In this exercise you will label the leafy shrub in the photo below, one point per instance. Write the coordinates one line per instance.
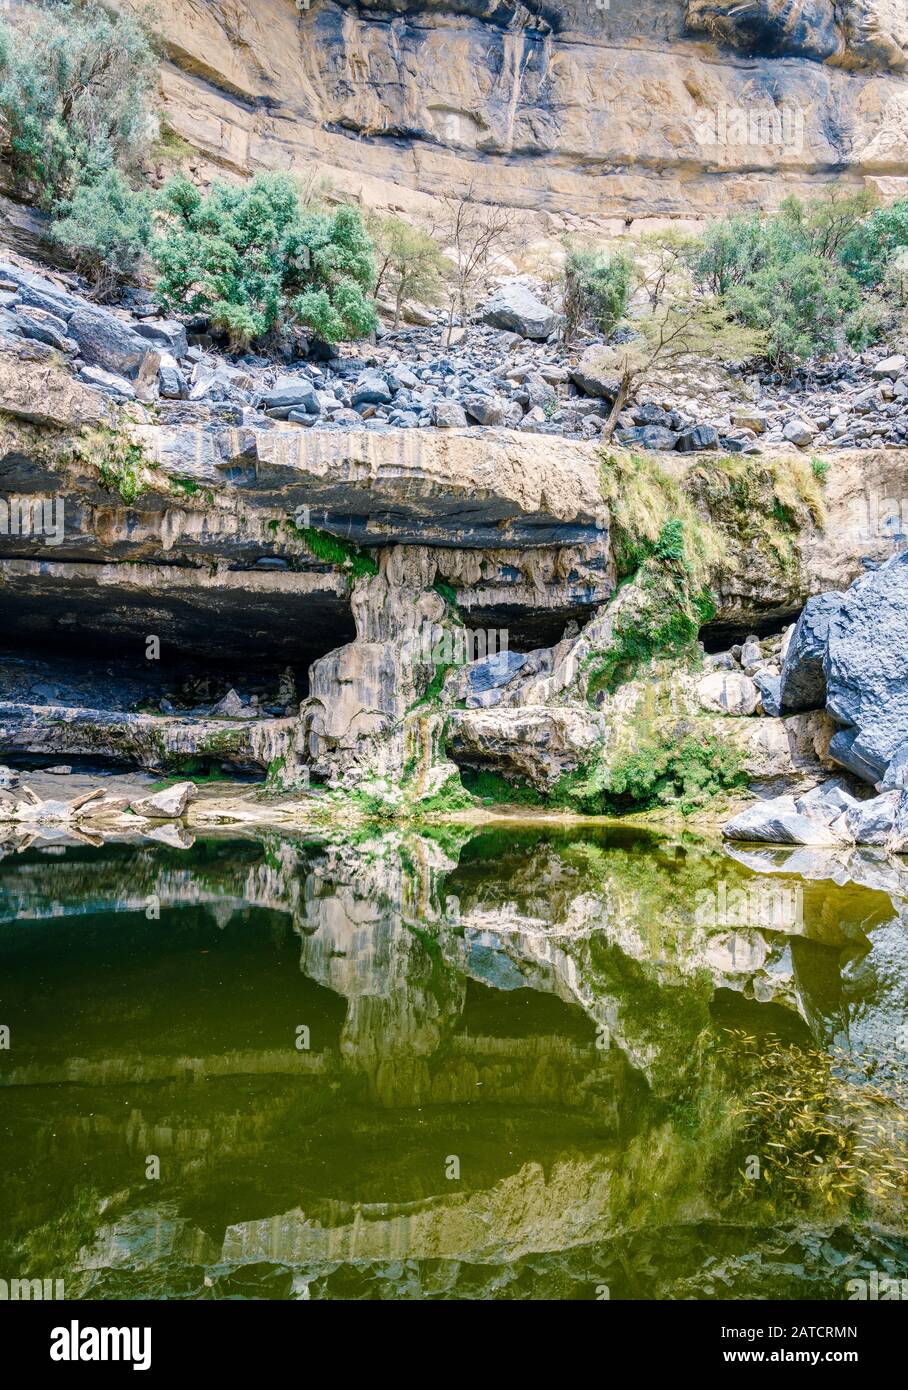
(486, 785)
(108, 227)
(872, 244)
(788, 276)
(800, 303)
(248, 257)
(332, 550)
(689, 771)
(74, 98)
(596, 290)
(411, 262)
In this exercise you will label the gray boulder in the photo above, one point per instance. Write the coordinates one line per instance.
(867, 662)
(172, 385)
(648, 437)
(779, 822)
(166, 334)
(827, 802)
(698, 439)
(872, 822)
(898, 837)
(770, 692)
(802, 684)
(800, 432)
(515, 307)
(168, 804)
(896, 774)
(486, 410)
(890, 368)
(371, 389)
(848, 750)
(486, 677)
(45, 327)
(108, 342)
(727, 692)
(448, 415)
(108, 382)
(291, 393)
(594, 376)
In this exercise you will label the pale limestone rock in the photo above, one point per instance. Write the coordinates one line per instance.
(728, 692)
(536, 743)
(168, 804)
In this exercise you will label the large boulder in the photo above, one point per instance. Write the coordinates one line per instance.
(168, 335)
(168, 804)
(597, 376)
(448, 415)
(486, 677)
(516, 308)
(802, 684)
(872, 822)
(486, 410)
(371, 389)
(866, 662)
(847, 749)
(536, 744)
(769, 687)
(728, 692)
(106, 341)
(898, 836)
(896, 774)
(291, 393)
(780, 822)
(648, 437)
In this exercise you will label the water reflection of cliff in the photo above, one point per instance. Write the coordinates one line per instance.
(543, 1008)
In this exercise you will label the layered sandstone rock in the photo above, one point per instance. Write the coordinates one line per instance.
(569, 111)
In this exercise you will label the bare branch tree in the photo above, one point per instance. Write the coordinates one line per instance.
(480, 237)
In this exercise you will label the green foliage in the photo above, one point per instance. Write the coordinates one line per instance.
(452, 796)
(789, 275)
(74, 98)
(108, 227)
(485, 785)
(802, 303)
(119, 460)
(659, 538)
(169, 146)
(447, 591)
(249, 257)
(648, 506)
(334, 551)
(410, 262)
(596, 290)
(871, 245)
(689, 772)
(820, 468)
(759, 508)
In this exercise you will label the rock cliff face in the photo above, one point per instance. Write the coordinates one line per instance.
(337, 575)
(574, 112)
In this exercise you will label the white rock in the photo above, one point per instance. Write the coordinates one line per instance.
(799, 432)
(779, 822)
(891, 367)
(165, 805)
(728, 692)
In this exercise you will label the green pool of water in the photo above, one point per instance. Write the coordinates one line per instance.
(519, 1063)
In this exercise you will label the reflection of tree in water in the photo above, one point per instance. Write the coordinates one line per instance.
(542, 1032)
